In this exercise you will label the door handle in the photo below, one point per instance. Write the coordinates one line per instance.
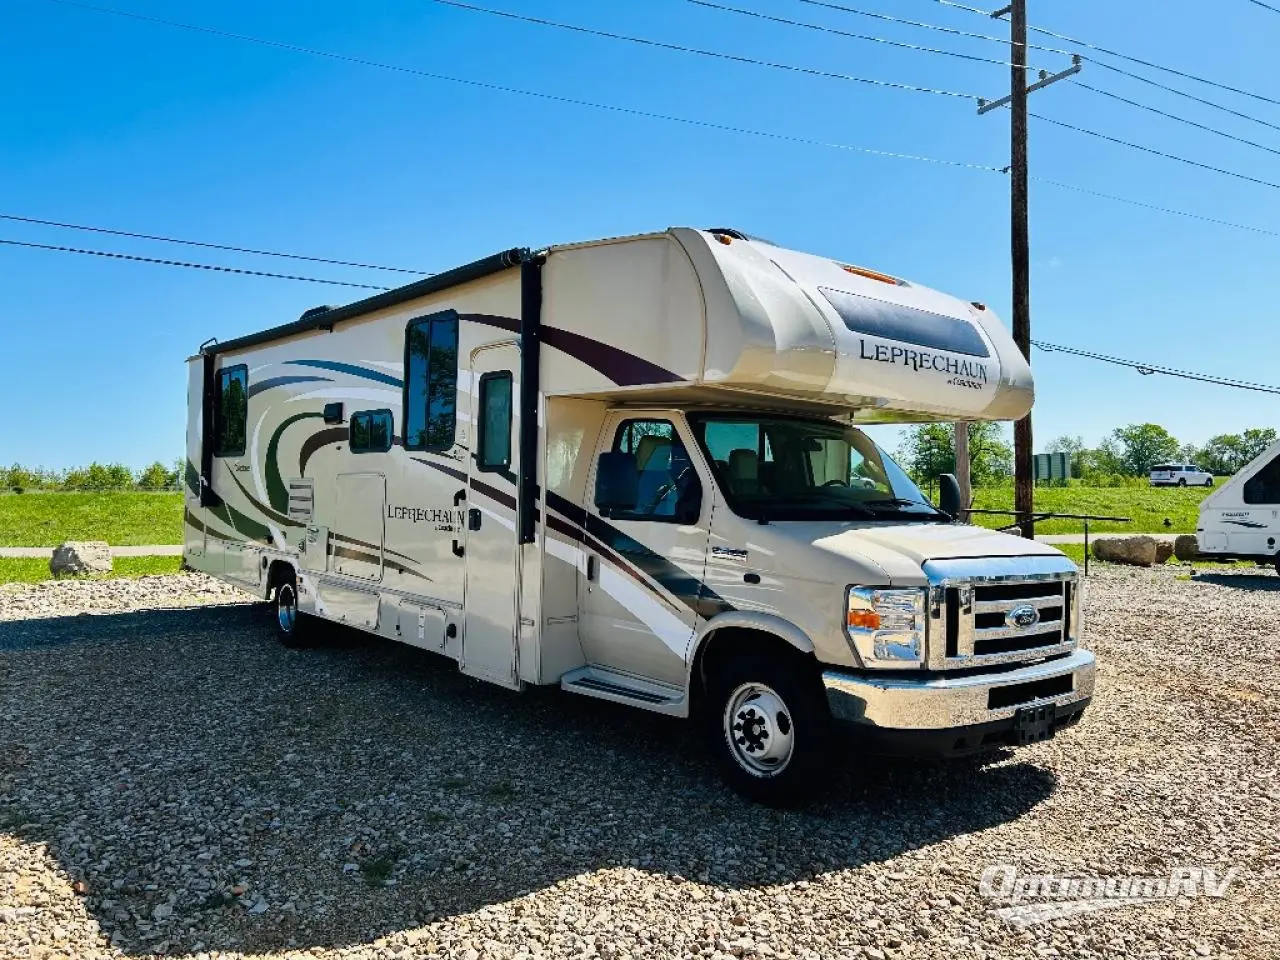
(591, 567)
(458, 549)
(473, 518)
(460, 496)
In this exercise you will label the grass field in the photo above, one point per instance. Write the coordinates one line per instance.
(1148, 506)
(122, 519)
(133, 519)
(34, 570)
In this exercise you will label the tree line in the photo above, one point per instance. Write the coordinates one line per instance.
(1123, 456)
(96, 476)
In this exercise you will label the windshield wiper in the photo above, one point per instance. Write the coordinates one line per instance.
(902, 502)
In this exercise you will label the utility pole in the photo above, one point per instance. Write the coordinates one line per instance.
(1020, 247)
(962, 464)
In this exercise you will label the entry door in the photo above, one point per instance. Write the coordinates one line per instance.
(491, 594)
(642, 582)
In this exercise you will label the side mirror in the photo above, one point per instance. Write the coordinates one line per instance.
(617, 482)
(949, 495)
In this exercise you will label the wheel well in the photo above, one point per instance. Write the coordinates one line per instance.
(280, 571)
(734, 641)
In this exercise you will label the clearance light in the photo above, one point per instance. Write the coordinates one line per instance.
(724, 238)
(871, 275)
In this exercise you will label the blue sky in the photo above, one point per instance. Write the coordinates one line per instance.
(139, 126)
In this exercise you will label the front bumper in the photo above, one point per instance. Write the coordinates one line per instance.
(944, 713)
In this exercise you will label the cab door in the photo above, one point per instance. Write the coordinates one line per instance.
(491, 592)
(641, 584)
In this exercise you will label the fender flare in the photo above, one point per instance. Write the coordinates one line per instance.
(768, 623)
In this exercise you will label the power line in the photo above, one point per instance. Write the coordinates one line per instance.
(649, 114)
(1174, 116)
(840, 33)
(203, 243)
(182, 263)
(1154, 152)
(1265, 6)
(698, 51)
(1124, 56)
(1147, 369)
(1101, 64)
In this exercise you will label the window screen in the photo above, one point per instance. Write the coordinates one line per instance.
(431, 382)
(371, 431)
(894, 321)
(232, 408)
(1264, 486)
(493, 442)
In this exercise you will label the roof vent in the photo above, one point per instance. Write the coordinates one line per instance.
(315, 311)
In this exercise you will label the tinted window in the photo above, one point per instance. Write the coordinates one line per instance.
(1264, 486)
(892, 321)
(431, 382)
(493, 440)
(232, 409)
(371, 431)
(667, 487)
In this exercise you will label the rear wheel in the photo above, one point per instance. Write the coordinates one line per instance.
(1182, 481)
(769, 728)
(293, 629)
(1209, 482)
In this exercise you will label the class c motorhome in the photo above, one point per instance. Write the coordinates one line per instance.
(632, 468)
(1241, 519)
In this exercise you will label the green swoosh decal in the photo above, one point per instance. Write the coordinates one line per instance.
(276, 492)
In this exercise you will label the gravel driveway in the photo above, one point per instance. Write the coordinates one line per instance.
(173, 782)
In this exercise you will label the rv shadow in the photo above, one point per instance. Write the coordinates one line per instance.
(183, 759)
(1262, 579)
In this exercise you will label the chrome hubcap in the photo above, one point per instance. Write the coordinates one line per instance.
(286, 608)
(758, 729)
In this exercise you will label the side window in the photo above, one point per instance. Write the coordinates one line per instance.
(371, 431)
(431, 382)
(232, 409)
(493, 432)
(667, 487)
(1264, 486)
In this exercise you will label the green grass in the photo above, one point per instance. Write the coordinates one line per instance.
(36, 569)
(122, 519)
(1148, 507)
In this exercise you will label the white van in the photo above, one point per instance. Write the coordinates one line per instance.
(1241, 520)
(630, 468)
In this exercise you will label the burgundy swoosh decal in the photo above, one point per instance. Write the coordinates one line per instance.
(624, 369)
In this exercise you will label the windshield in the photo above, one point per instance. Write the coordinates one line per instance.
(782, 468)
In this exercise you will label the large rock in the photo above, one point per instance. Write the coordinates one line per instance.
(1164, 550)
(1186, 547)
(80, 556)
(1137, 551)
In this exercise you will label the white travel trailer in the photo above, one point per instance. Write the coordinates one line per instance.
(1241, 520)
(631, 468)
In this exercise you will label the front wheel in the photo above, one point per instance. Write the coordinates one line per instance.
(1182, 481)
(770, 729)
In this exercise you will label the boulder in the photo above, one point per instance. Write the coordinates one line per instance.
(1186, 547)
(80, 556)
(1164, 550)
(1136, 551)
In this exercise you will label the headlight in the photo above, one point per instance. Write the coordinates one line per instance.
(886, 627)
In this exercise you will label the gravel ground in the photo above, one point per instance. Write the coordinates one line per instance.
(174, 783)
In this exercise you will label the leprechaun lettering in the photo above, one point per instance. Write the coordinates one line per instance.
(923, 360)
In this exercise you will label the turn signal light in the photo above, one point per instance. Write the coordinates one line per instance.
(862, 619)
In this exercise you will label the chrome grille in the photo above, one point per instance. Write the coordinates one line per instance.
(1000, 617)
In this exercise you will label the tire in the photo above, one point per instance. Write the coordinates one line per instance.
(1182, 481)
(293, 629)
(1209, 482)
(769, 728)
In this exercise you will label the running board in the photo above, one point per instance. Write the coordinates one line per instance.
(620, 688)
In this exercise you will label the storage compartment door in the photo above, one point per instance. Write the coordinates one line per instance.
(355, 533)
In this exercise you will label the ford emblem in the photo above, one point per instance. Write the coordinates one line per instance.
(1022, 616)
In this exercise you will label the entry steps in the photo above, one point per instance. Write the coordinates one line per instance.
(621, 688)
